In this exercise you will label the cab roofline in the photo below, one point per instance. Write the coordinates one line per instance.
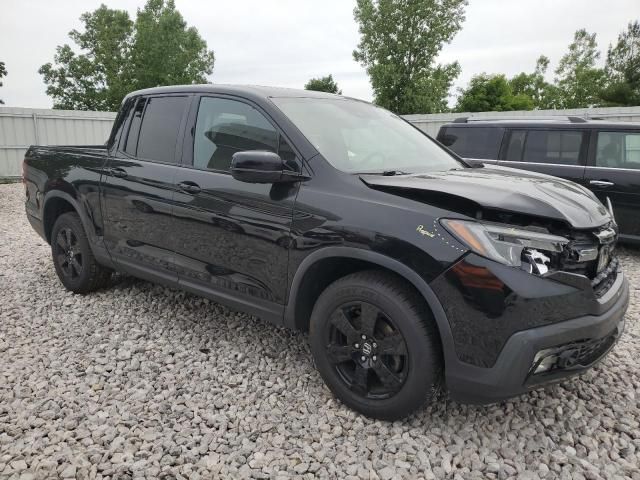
(263, 92)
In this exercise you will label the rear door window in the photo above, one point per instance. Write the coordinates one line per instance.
(515, 146)
(618, 150)
(560, 147)
(473, 142)
(160, 128)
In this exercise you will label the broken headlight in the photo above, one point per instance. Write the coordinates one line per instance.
(513, 246)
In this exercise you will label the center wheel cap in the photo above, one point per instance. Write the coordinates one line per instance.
(366, 351)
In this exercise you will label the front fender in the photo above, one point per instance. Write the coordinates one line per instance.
(384, 262)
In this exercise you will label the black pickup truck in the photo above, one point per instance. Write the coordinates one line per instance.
(407, 265)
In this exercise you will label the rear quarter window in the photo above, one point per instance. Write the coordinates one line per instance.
(473, 142)
(560, 147)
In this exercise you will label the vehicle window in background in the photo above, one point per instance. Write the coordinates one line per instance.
(225, 127)
(516, 142)
(618, 150)
(160, 128)
(134, 129)
(473, 142)
(553, 146)
(356, 136)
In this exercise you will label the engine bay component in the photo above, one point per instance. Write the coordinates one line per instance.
(537, 262)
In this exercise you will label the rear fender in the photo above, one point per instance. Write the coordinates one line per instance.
(95, 241)
(82, 213)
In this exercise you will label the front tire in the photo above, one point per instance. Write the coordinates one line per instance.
(375, 344)
(77, 268)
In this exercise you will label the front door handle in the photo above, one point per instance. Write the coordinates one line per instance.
(117, 172)
(189, 187)
(601, 183)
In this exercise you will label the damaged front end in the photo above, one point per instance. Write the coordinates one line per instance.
(584, 258)
(522, 273)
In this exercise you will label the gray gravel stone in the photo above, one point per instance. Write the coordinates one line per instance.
(68, 472)
(139, 380)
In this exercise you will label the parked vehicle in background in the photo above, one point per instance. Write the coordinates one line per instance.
(334, 216)
(602, 156)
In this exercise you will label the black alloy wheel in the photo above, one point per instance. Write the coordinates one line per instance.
(367, 350)
(75, 264)
(376, 344)
(67, 253)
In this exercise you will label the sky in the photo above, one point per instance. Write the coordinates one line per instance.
(286, 42)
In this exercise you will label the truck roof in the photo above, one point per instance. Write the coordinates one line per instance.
(560, 121)
(250, 91)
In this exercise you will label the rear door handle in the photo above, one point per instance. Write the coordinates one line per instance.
(189, 187)
(601, 183)
(117, 172)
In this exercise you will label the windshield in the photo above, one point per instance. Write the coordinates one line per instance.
(359, 137)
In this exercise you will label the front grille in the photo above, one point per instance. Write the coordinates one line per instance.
(603, 281)
(586, 252)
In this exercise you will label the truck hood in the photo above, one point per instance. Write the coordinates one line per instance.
(506, 189)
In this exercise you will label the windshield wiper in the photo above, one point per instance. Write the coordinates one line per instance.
(385, 173)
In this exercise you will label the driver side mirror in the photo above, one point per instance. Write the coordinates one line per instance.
(258, 166)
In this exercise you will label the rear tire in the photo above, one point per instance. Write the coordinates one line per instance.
(77, 268)
(376, 345)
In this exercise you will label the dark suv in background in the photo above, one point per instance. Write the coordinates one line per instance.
(602, 156)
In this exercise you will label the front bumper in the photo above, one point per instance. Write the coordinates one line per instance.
(577, 344)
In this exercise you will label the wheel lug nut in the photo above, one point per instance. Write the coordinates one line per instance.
(375, 345)
(363, 358)
(364, 337)
(357, 345)
(374, 358)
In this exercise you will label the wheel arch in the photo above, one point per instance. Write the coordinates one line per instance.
(56, 203)
(345, 260)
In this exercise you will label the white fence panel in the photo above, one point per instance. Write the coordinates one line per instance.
(22, 127)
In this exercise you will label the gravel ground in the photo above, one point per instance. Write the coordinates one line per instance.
(140, 380)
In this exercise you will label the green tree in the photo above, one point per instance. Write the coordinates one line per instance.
(578, 79)
(323, 84)
(94, 80)
(165, 51)
(543, 94)
(3, 73)
(623, 68)
(119, 55)
(399, 43)
(491, 93)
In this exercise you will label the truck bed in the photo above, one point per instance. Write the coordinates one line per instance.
(75, 169)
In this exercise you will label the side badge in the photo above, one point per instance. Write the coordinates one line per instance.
(422, 231)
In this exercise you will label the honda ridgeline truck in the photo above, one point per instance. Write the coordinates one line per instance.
(408, 266)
